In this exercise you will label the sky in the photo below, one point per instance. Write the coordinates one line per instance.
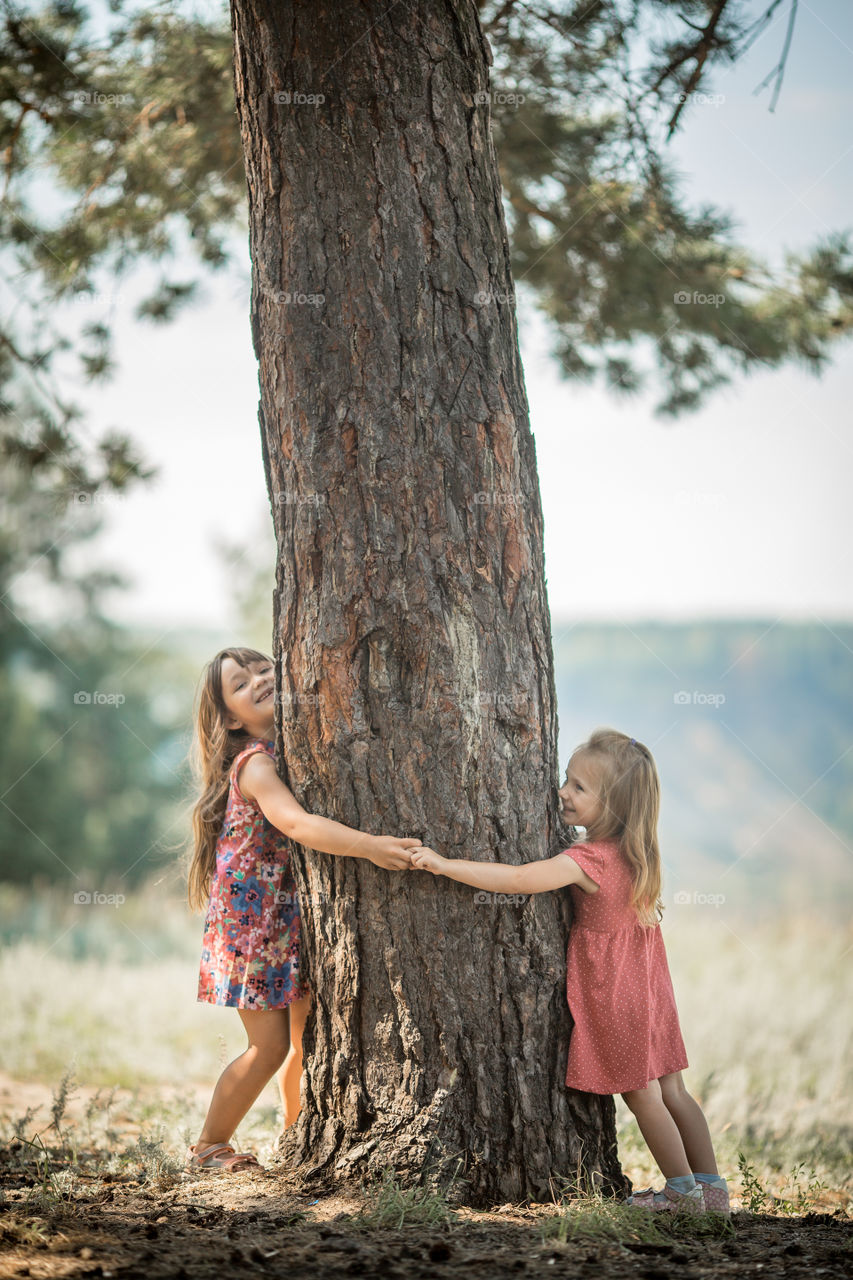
(741, 509)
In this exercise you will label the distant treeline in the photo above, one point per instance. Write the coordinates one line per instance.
(93, 756)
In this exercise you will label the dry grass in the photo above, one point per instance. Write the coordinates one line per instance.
(765, 1010)
(767, 1018)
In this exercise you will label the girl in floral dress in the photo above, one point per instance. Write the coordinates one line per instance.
(239, 871)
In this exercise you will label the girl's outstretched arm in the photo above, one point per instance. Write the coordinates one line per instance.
(498, 877)
(258, 781)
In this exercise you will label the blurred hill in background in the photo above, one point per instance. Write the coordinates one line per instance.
(751, 725)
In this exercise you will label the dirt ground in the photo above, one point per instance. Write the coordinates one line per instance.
(246, 1224)
(58, 1221)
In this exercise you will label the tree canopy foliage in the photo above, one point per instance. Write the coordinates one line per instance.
(121, 146)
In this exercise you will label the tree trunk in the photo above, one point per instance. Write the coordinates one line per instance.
(412, 639)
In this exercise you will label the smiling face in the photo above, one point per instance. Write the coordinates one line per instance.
(249, 696)
(579, 795)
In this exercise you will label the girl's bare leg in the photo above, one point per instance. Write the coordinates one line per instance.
(243, 1079)
(290, 1076)
(692, 1125)
(660, 1130)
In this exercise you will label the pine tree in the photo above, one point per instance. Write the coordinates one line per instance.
(120, 145)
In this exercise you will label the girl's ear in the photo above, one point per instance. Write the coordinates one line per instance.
(231, 721)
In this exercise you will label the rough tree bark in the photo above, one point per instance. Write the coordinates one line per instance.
(412, 637)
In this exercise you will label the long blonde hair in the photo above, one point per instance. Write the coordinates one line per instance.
(213, 752)
(629, 790)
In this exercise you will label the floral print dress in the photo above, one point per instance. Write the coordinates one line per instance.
(250, 950)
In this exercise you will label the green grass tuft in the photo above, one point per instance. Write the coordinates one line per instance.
(392, 1205)
(595, 1218)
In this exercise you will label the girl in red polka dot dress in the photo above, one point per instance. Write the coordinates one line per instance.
(626, 1037)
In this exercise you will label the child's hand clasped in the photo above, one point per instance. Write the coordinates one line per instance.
(393, 853)
(426, 859)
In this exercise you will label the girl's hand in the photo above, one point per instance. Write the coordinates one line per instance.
(392, 853)
(426, 859)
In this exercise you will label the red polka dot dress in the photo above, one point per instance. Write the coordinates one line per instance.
(620, 994)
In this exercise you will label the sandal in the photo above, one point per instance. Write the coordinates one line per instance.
(219, 1156)
(716, 1197)
(668, 1200)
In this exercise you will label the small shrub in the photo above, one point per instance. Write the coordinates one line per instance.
(757, 1199)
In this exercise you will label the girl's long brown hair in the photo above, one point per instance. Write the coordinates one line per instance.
(629, 790)
(213, 751)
